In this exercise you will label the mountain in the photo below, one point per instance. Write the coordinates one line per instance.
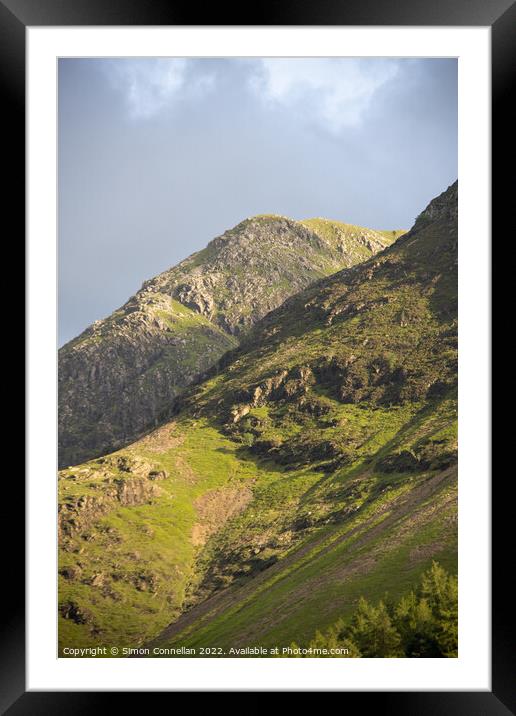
(120, 375)
(314, 464)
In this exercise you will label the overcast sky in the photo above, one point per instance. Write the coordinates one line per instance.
(159, 156)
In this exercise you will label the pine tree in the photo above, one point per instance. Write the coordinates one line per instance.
(373, 632)
(331, 640)
(415, 623)
(441, 591)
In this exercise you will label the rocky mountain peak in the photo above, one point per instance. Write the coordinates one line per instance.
(443, 208)
(120, 376)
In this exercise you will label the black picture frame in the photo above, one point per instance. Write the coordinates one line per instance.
(500, 15)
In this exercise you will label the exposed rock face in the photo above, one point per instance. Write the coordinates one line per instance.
(77, 614)
(120, 376)
(97, 490)
(252, 268)
(443, 208)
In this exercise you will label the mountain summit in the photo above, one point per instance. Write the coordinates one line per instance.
(120, 376)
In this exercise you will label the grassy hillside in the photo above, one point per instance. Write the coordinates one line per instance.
(315, 464)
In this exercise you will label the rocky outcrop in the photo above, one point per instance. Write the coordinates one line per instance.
(444, 208)
(250, 269)
(114, 481)
(119, 378)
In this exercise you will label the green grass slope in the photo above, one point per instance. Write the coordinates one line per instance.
(315, 464)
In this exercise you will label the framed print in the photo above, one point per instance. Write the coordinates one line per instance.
(258, 365)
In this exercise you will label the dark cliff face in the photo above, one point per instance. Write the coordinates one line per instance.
(119, 377)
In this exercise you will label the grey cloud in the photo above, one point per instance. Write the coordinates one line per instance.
(137, 193)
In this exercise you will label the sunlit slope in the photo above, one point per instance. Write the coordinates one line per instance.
(381, 551)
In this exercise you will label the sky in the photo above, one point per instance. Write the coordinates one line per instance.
(158, 156)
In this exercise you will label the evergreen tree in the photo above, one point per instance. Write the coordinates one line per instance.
(441, 591)
(373, 632)
(415, 622)
(332, 640)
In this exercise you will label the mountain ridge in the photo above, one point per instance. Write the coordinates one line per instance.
(118, 376)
